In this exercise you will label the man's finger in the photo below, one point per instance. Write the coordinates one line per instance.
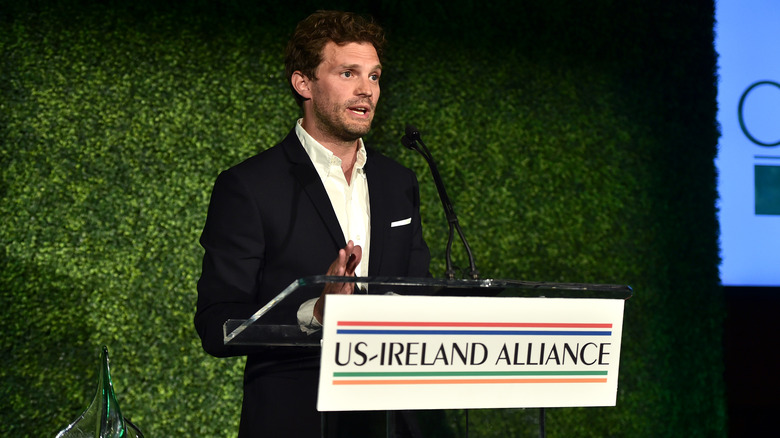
(354, 260)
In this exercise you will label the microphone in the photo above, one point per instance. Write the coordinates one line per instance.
(409, 140)
(413, 140)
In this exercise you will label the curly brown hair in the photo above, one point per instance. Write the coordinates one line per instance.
(304, 50)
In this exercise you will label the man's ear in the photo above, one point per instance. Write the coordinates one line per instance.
(301, 84)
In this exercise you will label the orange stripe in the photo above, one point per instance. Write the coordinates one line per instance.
(461, 381)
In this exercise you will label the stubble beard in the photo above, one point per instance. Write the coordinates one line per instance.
(332, 121)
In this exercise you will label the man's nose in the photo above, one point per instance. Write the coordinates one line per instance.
(364, 87)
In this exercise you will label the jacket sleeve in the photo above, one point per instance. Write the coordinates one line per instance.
(232, 263)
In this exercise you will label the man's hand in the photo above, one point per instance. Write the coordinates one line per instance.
(344, 266)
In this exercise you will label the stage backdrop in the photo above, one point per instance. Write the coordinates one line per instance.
(576, 138)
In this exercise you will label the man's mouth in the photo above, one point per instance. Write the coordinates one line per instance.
(359, 110)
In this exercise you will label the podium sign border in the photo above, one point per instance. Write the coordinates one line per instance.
(422, 352)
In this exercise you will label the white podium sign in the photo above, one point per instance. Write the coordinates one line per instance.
(394, 352)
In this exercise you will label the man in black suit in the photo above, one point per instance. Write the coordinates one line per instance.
(319, 202)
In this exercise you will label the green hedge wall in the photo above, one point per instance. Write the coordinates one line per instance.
(576, 139)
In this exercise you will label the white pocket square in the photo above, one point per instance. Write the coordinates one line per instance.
(401, 223)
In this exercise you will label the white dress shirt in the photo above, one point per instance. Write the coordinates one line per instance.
(349, 201)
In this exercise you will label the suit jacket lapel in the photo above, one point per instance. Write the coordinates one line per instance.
(304, 172)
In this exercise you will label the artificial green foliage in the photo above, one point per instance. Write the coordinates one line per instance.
(576, 140)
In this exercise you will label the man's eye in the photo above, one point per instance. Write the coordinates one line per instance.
(347, 74)
(374, 77)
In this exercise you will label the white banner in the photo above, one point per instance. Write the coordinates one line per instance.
(394, 352)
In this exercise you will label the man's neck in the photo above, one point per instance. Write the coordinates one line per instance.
(348, 163)
(345, 150)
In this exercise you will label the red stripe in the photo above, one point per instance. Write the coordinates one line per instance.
(473, 324)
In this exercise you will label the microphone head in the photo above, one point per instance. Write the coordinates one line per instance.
(408, 142)
(412, 133)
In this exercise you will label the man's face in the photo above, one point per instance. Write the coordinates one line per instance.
(345, 93)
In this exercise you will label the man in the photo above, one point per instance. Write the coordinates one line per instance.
(319, 202)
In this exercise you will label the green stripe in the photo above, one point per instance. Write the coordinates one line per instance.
(468, 373)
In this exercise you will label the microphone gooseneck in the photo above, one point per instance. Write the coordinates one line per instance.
(413, 140)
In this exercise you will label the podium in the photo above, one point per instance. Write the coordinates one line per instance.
(426, 344)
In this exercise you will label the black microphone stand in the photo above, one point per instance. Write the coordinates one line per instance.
(413, 141)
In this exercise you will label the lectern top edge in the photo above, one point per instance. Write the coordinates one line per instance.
(429, 286)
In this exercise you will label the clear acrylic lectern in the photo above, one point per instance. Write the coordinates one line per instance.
(255, 331)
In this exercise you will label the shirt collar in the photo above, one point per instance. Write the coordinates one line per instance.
(321, 157)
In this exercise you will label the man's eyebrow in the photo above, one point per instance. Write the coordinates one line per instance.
(357, 66)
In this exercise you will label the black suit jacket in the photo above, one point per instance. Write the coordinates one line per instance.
(270, 221)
